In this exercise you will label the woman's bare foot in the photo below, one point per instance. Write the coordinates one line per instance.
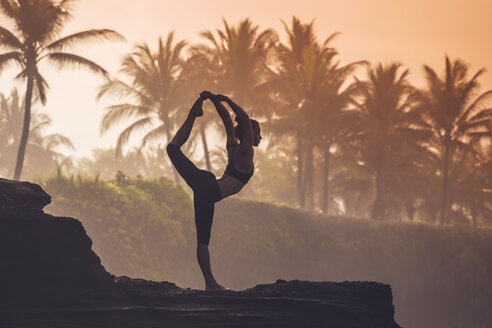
(197, 110)
(216, 287)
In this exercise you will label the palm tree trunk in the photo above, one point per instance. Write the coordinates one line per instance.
(378, 208)
(205, 148)
(310, 177)
(326, 182)
(444, 191)
(300, 172)
(25, 129)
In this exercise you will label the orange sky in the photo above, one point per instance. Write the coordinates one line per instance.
(414, 33)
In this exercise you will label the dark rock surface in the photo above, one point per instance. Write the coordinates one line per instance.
(50, 277)
(22, 195)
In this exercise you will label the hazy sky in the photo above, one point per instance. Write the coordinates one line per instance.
(412, 32)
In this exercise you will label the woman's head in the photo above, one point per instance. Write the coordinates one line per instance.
(239, 131)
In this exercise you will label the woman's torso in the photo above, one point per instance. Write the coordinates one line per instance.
(230, 184)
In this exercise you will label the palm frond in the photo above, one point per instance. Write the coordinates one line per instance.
(62, 59)
(127, 132)
(89, 36)
(475, 105)
(54, 140)
(153, 135)
(41, 86)
(7, 8)
(9, 40)
(120, 112)
(10, 57)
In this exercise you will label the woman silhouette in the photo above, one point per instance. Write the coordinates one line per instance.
(207, 190)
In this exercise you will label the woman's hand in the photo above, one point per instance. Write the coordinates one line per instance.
(206, 94)
(220, 97)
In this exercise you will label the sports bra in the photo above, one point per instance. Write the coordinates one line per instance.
(233, 172)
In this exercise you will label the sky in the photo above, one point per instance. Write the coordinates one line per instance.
(413, 33)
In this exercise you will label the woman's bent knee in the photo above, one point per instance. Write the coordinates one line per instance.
(172, 149)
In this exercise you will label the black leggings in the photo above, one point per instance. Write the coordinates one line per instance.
(205, 188)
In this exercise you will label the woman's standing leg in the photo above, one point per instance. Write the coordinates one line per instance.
(204, 213)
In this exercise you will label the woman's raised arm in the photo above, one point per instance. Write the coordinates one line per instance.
(224, 115)
(242, 118)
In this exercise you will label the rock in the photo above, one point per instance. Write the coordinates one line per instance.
(284, 303)
(42, 255)
(20, 194)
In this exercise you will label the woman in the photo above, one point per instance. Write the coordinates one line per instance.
(207, 190)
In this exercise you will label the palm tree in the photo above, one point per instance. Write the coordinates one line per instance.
(470, 187)
(303, 67)
(153, 96)
(242, 54)
(458, 119)
(36, 24)
(392, 134)
(329, 118)
(43, 155)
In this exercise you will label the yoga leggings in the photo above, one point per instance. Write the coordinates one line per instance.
(205, 188)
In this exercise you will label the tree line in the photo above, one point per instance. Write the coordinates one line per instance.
(356, 139)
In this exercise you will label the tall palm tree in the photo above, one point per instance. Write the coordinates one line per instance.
(303, 67)
(392, 133)
(35, 26)
(329, 118)
(470, 182)
(458, 118)
(43, 155)
(242, 53)
(153, 96)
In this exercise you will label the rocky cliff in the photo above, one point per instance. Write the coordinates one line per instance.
(50, 277)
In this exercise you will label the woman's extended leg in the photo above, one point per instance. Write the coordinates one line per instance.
(185, 130)
(186, 169)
